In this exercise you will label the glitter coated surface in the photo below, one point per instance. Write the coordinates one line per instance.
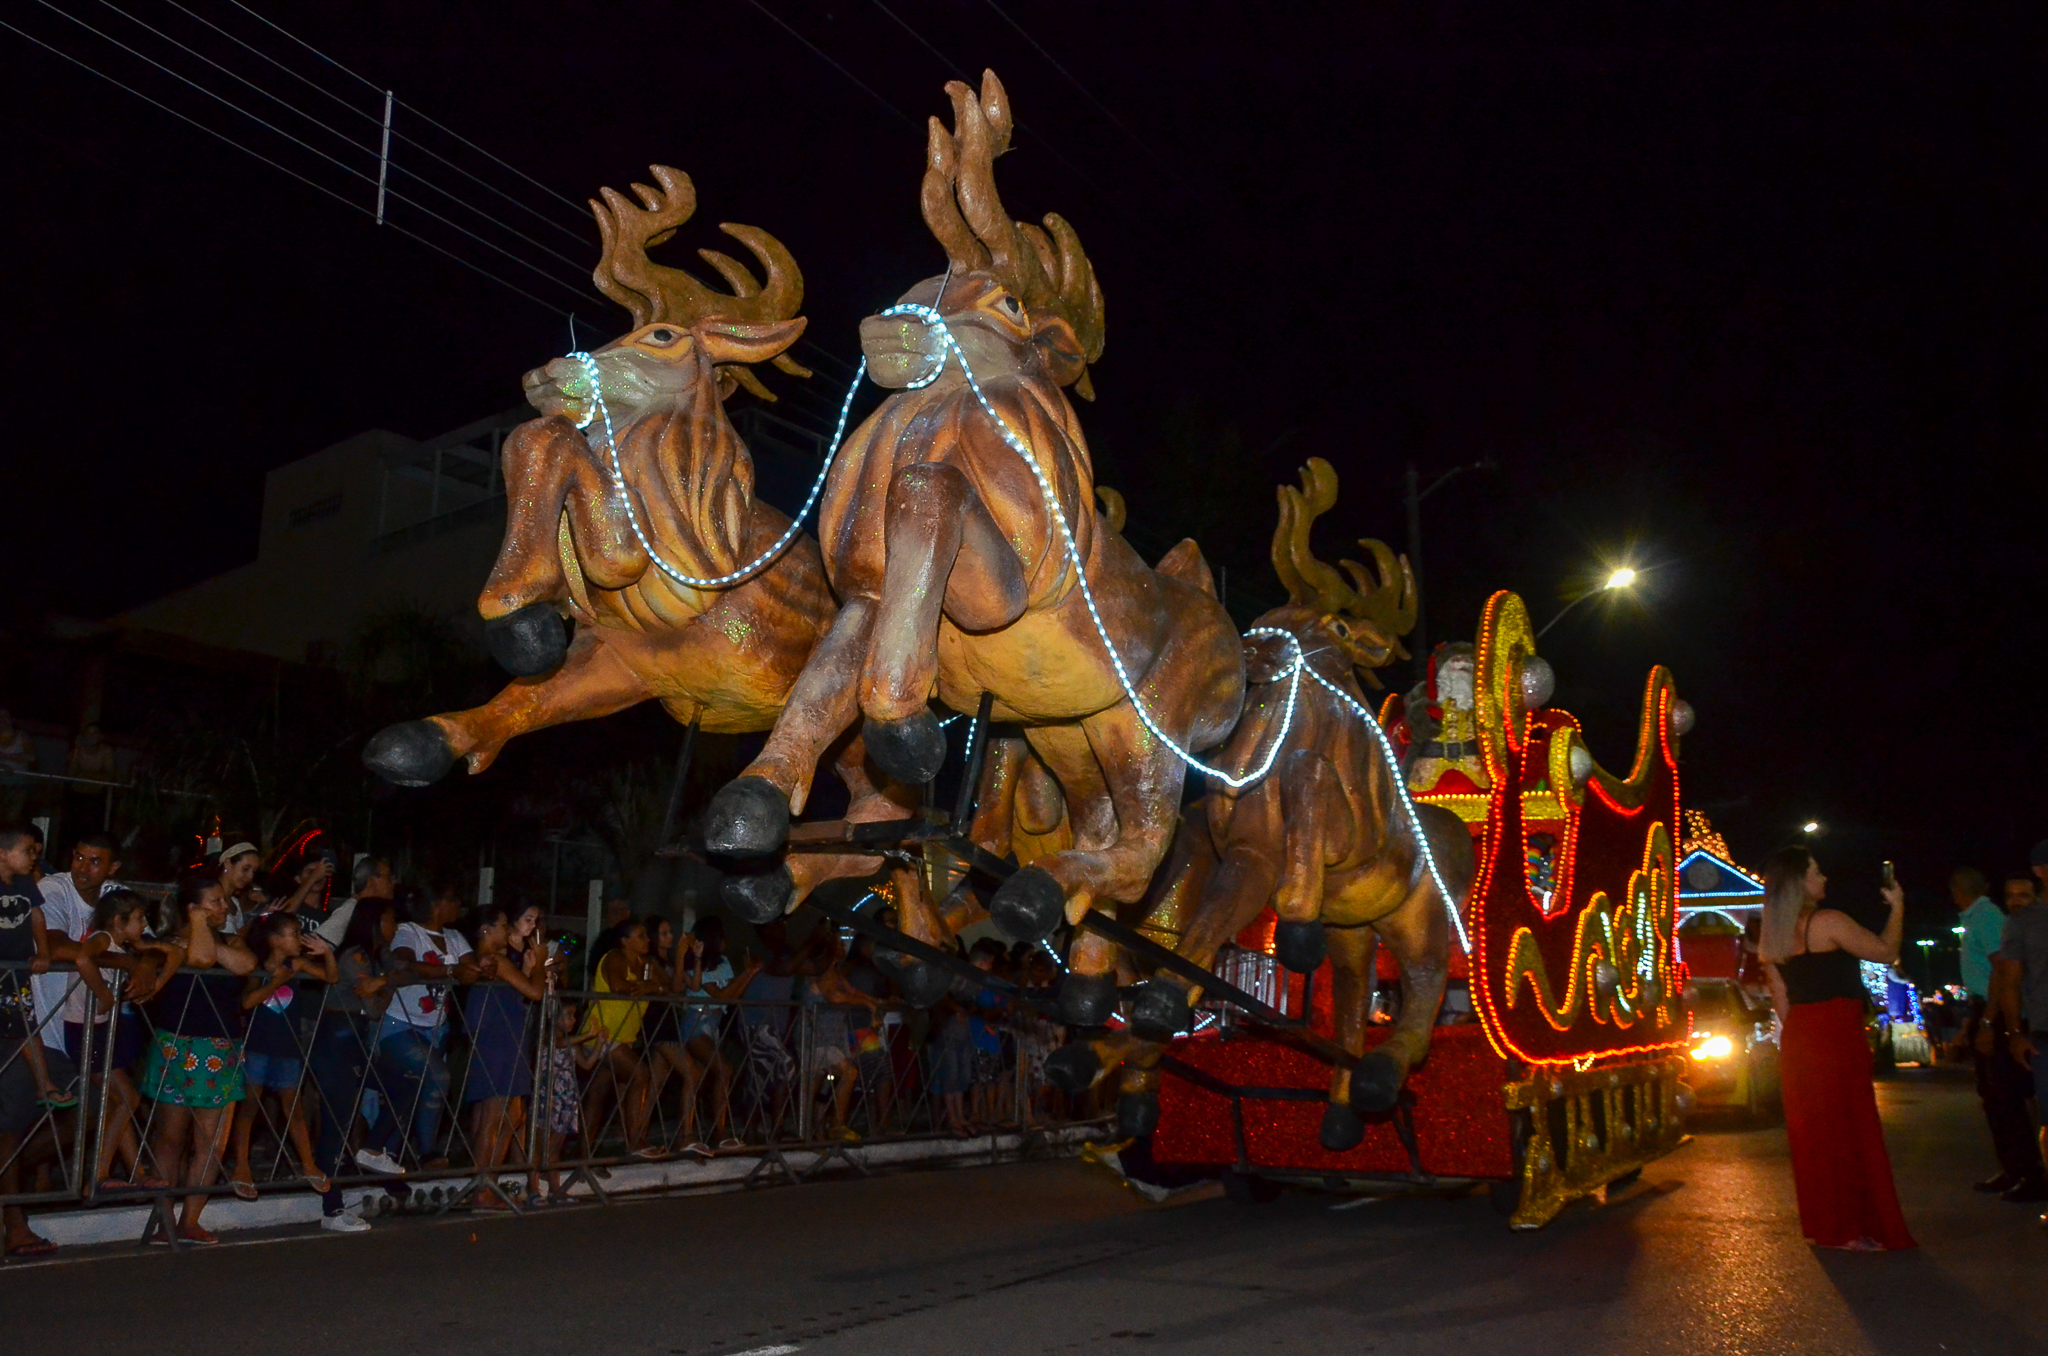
(1461, 1120)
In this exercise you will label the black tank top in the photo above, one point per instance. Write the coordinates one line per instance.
(1817, 976)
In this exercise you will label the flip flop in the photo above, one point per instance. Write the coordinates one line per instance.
(319, 1182)
(196, 1236)
(245, 1191)
(37, 1247)
(59, 1101)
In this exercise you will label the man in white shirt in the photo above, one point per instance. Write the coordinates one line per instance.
(68, 900)
(372, 880)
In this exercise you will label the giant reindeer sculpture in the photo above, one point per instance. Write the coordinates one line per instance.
(955, 579)
(644, 459)
(1322, 839)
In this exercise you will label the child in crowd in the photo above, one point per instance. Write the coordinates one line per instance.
(25, 941)
(272, 1062)
(573, 1051)
(500, 1079)
(987, 1104)
(116, 944)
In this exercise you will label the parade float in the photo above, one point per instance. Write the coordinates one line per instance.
(966, 560)
(1567, 1079)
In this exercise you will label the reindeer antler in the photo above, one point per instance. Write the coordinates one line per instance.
(1388, 601)
(1047, 269)
(652, 291)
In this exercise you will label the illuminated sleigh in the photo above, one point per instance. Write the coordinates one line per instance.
(1565, 1080)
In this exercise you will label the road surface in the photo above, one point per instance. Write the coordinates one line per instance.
(1704, 1256)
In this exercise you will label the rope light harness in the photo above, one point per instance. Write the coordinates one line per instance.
(611, 446)
(1297, 663)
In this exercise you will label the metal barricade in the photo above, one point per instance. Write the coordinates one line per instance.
(603, 1082)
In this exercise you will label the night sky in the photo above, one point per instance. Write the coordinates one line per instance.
(1751, 301)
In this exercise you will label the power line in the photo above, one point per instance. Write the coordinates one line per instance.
(1074, 81)
(422, 147)
(284, 169)
(344, 165)
(578, 207)
(278, 99)
(825, 57)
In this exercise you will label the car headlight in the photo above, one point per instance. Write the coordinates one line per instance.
(1714, 1047)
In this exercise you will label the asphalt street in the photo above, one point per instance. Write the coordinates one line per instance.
(1703, 1255)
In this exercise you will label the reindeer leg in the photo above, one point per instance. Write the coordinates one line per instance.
(749, 817)
(593, 681)
(1312, 804)
(1418, 933)
(945, 553)
(553, 466)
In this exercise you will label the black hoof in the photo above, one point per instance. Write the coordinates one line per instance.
(912, 750)
(1301, 947)
(1137, 1115)
(1376, 1083)
(1028, 906)
(529, 642)
(759, 896)
(1087, 1000)
(921, 983)
(748, 817)
(1159, 1011)
(411, 753)
(1073, 1068)
(1342, 1128)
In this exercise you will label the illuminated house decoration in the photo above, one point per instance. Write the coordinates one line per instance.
(1707, 876)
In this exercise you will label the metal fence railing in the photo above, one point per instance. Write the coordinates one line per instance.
(504, 1104)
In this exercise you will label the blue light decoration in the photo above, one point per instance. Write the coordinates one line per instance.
(1708, 875)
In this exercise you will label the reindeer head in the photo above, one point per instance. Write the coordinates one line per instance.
(687, 336)
(1366, 618)
(1016, 297)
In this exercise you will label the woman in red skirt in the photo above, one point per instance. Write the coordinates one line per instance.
(1839, 1165)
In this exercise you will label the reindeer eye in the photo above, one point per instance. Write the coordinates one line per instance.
(1010, 305)
(663, 336)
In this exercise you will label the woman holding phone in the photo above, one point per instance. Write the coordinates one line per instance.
(1811, 955)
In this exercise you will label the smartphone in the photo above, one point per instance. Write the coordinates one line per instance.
(1889, 877)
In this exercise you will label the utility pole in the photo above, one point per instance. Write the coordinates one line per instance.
(1419, 637)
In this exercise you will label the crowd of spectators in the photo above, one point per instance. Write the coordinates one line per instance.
(244, 1038)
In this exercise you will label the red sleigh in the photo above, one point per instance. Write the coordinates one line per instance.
(1562, 1078)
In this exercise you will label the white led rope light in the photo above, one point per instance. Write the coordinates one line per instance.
(611, 446)
(1298, 664)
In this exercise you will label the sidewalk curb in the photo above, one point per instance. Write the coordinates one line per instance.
(124, 1224)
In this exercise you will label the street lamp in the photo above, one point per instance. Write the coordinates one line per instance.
(1810, 827)
(1618, 580)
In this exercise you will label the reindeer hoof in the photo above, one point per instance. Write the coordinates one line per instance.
(911, 750)
(1137, 1115)
(410, 753)
(1343, 1128)
(1376, 1083)
(1028, 906)
(759, 896)
(1087, 1000)
(748, 817)
(1300, 947)
(1159, 1011)
(529, 642)
(1073, 1068)
(921, 983)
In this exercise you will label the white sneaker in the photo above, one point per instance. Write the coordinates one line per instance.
(344, 1223)
(372, 1160)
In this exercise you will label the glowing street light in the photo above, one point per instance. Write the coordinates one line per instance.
(1810, 827)
(1618, 580)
